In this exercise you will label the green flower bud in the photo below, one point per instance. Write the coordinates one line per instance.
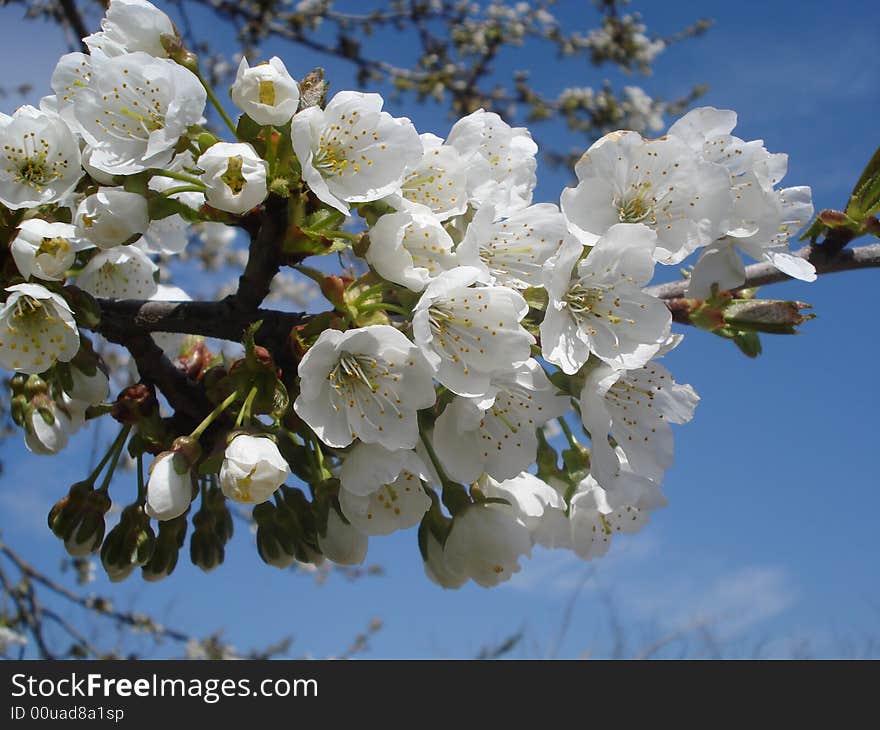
(170, 539)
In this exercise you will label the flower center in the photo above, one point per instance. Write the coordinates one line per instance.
(636, 208)
(53, 247)
(233, 176)
(267, 93)
(331, 158)
(31, 162)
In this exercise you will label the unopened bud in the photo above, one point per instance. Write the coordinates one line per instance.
(78, 519)
(170, 539)
(128, 545)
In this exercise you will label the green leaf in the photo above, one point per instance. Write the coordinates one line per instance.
(749, 343)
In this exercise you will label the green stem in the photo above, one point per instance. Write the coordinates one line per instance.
(212, 416)
(115, 445)
(383, 306)
(245, 411)
(369, 292)
(217, 105)
(142, 488)
(119, 444)
(183, 189)
(182, 176)
(432, 455)
(566, 429)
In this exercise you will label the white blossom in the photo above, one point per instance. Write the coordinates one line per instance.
(468, 334)
(39, 159)
(500, 160)
(168, 235)
(762, 218)
(597, 514)
(439, 180)
(252, 469)
(486, 542)
(37, 329)
(131, 25)
(496, 433)
(410, 248)
(661, 183)
(352, 151)
(636, 408)
(514, 250)
(535, 502)
(47, 430)
(169, 487)
(111, 217)
(122, 272)
(342, 543)
(365, 383)
(134, 109)
(234, 175)
(266, 92)
(597, 305)
(381, 490)
(45, 250)
(436, 566)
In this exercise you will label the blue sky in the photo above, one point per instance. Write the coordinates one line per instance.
(771, 531)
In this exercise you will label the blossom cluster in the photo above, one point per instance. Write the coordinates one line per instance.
(472, 324)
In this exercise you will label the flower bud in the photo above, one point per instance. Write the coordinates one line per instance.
(134, 404)
(128, 545)
(252, 469)
(275, 545)
(171, 486)
(47, 427)
(213, 528)
(170, 539)
(206, 550)
(234, 176)
(341, 542)
(78, 519)
(266, 93)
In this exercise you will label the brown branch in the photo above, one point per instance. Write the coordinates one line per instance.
(74, 21)
(224, 320)
(862, 257)
(184, 395)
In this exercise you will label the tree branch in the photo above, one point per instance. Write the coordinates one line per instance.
(861, 257)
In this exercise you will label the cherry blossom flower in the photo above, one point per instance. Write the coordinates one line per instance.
(252, 469)
(468, 334)
(393, 501)
(514, 250)
(122, 272)
(111, 217)
(37, 329)
(234, 175)
(129, 26)
(496, 433)
(486, 542)
(439, 180)
(500, 160)
(134, 109)
(636, 408)
(39, 158)
(267, 93)
(170, 487)
(365, 383)
(600, 307)
(353, 152)
(661, 183)
(45, 250)
(410, 248)
(342, 543)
